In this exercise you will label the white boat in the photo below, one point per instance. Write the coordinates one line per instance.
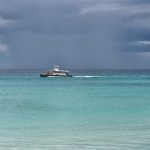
(56, 72)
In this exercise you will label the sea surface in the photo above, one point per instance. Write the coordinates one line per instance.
(93, 110)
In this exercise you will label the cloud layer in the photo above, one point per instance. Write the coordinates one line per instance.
(75, 34)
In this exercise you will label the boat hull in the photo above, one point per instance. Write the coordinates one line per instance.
(57, 75)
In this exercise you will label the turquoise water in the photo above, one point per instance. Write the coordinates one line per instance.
(93, 110)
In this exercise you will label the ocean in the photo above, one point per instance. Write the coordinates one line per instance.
(93, 110)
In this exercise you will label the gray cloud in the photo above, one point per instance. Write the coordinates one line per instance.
(3, 48)
(75, 34)
(5, 23)
(142, 43)
(118, 7)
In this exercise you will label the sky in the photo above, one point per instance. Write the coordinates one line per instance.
(90, 34)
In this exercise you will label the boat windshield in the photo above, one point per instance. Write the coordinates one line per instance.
(56, 68)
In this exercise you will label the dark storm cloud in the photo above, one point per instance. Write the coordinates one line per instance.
(75, 34)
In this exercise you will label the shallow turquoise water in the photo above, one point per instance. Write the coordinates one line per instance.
(93, 110)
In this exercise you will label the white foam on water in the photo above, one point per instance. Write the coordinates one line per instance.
(98, 76)
(86, 76)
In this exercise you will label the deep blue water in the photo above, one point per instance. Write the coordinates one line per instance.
(93, 110)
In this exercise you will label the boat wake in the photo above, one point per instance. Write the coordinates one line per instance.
(86, 76)
(99, 76)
